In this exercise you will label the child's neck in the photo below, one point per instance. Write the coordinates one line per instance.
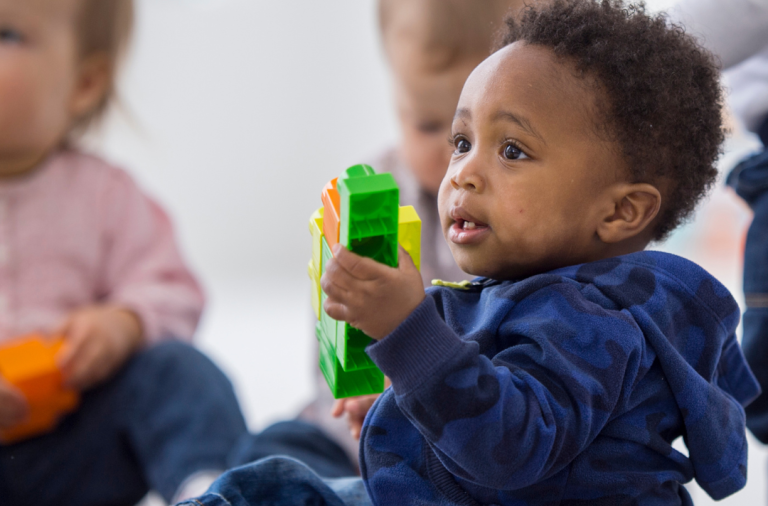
(13, 166)
(628, 246)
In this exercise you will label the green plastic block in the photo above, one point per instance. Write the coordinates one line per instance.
(382, 248)
(357, 171)
(350, 348)
(327, 323)
(369, 226)
(326, 255)
(343, 383)
(348, 342)
(369, 214)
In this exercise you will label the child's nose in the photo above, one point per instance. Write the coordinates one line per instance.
(469, 177)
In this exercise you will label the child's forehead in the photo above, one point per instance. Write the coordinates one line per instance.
(531, 78)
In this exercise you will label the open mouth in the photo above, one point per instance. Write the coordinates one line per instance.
(466, 229)
(470, 225)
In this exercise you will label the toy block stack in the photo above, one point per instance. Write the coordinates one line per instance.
(361, 211)
(29, 364)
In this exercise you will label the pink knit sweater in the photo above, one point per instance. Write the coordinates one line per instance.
(77, 232)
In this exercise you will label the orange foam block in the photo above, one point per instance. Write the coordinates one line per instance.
(331, 213)
(29, 364)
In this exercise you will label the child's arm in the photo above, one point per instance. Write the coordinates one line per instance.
(144, 291)
(356, 408)
(143, 270)
(503, 423)
(99, 340)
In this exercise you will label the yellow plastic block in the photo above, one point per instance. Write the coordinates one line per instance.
(316, 229)
(29, 364)
(315, 287)
(409, 233)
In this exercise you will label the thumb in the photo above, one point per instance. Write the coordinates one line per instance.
(64, 327)
(404, 260)
(74, 332)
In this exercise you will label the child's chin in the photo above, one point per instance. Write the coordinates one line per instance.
(473, 266)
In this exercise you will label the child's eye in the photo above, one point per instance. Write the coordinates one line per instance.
(10, 36)
(512, 152)
(461, 146)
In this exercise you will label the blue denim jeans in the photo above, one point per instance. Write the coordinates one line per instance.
(281, 481)
(299, 440)
(170, 412)
(750, 180)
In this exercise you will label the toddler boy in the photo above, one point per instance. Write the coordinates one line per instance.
(565, 372)
(431, 47)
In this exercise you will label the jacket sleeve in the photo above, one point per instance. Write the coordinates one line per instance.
(559, 370)
(143, 269)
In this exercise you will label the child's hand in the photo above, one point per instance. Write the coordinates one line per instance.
(13, 406)
(99, 340)
(371, 296)
(356, 408)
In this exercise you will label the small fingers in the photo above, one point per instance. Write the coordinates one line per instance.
(79, 373)
(404, 260)
(336, 310)
(338, 408)
(86, 364)
(355, 429)
(360, 406)
(355, 424)
(76, 332)
(361, 268)
(63, 328)
(336, 281)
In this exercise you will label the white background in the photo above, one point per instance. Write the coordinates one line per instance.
(234, 114)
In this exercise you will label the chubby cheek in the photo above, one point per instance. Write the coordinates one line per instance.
(543, 232)
(31, 116)
(16, 101)
(444, 200)
(529, 228)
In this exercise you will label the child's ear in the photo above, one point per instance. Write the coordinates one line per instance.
(635, 206)
(94, 78)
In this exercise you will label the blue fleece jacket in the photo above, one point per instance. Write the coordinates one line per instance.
(566, 388)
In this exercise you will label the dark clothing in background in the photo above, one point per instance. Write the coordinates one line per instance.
(750, 180)
(169, 413)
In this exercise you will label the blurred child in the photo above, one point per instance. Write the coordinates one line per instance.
(85, 254)
(431, 46)
(565, 373)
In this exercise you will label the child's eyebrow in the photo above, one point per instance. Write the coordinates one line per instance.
(462, 114)
(520, 121)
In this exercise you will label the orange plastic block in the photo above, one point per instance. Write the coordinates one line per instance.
(29, 364)
(332, 213)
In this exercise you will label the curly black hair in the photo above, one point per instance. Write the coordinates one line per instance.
(661, 98)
